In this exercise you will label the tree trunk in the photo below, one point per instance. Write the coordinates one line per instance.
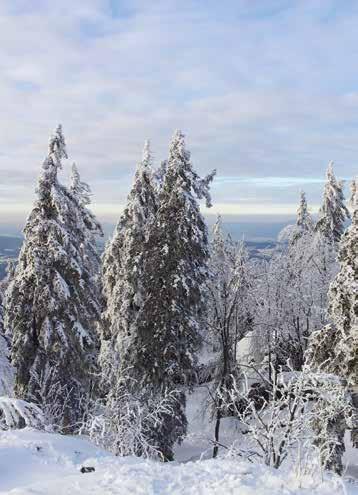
(217, 430)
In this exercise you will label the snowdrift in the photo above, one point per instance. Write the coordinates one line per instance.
(33, 462)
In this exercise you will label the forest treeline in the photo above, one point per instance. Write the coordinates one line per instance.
(110, 346)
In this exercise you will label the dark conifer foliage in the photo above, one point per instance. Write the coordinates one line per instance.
(175, 256)
(52, 305)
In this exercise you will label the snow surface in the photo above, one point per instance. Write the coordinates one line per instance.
(33, 462)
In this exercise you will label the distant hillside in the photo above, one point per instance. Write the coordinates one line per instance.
(252, 231)
(259, 238)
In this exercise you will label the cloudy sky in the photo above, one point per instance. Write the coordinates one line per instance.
(266, 92)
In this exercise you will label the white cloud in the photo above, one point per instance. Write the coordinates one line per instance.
(254, 88)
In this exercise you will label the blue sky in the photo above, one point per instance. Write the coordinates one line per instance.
(265, 90)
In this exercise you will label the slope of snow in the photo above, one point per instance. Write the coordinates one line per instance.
(33, 462)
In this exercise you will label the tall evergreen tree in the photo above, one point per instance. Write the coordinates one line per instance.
(175, 270)
(343, 298)
(327, 233)
(333, 212)
(334, 348)
(304, 225)
(90, 228)
(50, 307)
(304, 220)
(123, 263)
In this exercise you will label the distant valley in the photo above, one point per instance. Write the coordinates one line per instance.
(10, 246)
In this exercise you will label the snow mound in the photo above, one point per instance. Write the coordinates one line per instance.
(33, 462)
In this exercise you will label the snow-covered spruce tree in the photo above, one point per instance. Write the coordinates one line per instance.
(334, 348)
(122, 271)
(328, 230)
(91, 228)
(333, 212)
(343, 299)
(304, 222)
(299, 249)
(162, 354)
(50, 306)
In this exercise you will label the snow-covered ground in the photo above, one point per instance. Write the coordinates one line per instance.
(198, 443)
(33, 462)
(38, 463)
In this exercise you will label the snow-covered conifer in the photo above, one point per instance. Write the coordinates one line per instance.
(304, 220)
(304, 226)
(50, 309)
(122, 270)
(90, 228)
(175, 270)
(334, 348)
(333, 212)
(343, 298)
(327, 233)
